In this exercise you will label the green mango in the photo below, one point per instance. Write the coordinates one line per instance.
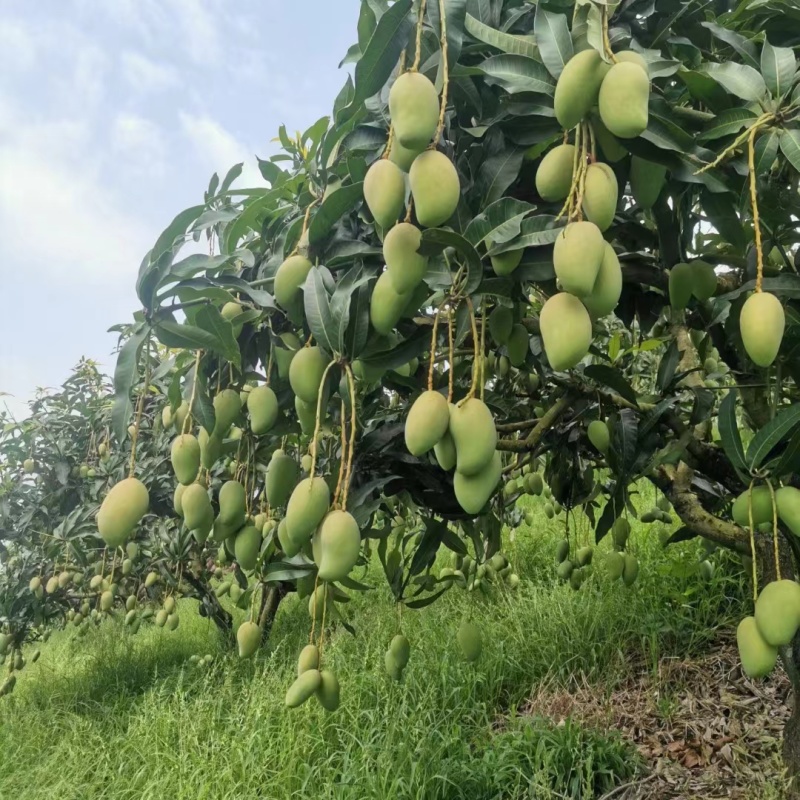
(474, 435)
(196, 506)
(633, 57)
(427, 421)
(290, 277)
(248, 637)
(566, 330)
(470, 641)
(787, 498)
(210, 448)
(185, 457)
(517, 345)
(473, 491)
(445, 452)
(704, 280)
(599, 435)
(230, 311)
(122, 510)
(607, 287)
(304, 686)
(623, 100)
(647, 180)
(289, 546)
(762, 507)
(336, 545)
(227, 406)
(394, 670)
(284, 353)
(414, 110)
(620, 531)
(306, 415)
(282, 475)
(681, 285)
(385, 192)
(403, 156)
(435, 188)
(308, 659)
(400, 648)
(534, 483)
(578, 86)
(306, 508)
(778, 612)
(761, 323)
(305, 373)
(506, 263)
(328, 691)
(600, 195)
(584, 556)
(262, 405)
(758, 658)
(577, 255)
(631, 570)
(247, 546)
(386, 305)
(232, 504)
(501, 321)
(554, 175)
(179, 417)
(614, 565)
(404, 265)
(610, 146)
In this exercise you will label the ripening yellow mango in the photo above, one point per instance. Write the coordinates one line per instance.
(761, 323)
(121, 511)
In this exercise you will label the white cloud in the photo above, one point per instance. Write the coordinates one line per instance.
(140, 143)
(199, 29)
(17, 46)
(145, 75)
(64, 221)
(218, 149)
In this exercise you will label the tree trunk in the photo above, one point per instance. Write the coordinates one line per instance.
(211, 606)
(270, 601)
(791, 733)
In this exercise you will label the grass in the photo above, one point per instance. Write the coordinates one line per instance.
(123, 717)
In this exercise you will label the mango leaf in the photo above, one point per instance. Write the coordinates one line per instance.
(729, 432)
(455, 14)
(518, 74)
(727, 123)
(202, 408)
(667, 366)
(498, 172)
(402, 353)
(347, 286)
(553, 38)
(428, 546)
(534, 232)
(192, 337)
(435, 240)
(508, 43)
(790, 146)
(612, 378)
(234, 283)
(744, 47)
(790, 458)
(333, 209)
(778, 67)
(380, 55)
(125, 374)
(210, 319)
(498, 222)
(425, 601)
(721, 210)
(772, 434)
(783, 285)
(318, 312)
(765, 151)
(622, 453)
(355, 339)
(738, 79)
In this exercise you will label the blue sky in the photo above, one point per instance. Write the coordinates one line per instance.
(113, 116)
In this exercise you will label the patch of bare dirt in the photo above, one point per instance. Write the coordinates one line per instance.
(703, 728)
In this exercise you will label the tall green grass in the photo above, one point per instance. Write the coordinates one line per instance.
(123, 717)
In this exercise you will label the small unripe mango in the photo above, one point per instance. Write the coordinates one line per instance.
(566, 330)
(386, 305)
(787, 498)
(248, 637)
(263, 407)
(196, 506)
(778, 612)
(501, 320)
(598, 434)
(623, 100)
(282, 475)
(761, 499)
(761, 323)
(470, 641)
(307, 506)
(435, 188)
(681, 285)
(304, 686)
(607, 287)
(758, 658)
(305, 373)
(474, 435)
(647, 179)
(554, 175)
(121, 510)
(246, 547)
(414, 110)
(577, 256)
(578, 86)
(404, 265)
(473, 491)
(227, 406)
(185, 457)
(506, 263)
(601, 192)
(336, 545)
(517, 345)
(385, 192)
(427, 421)
(308, 659)
(328, 691)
